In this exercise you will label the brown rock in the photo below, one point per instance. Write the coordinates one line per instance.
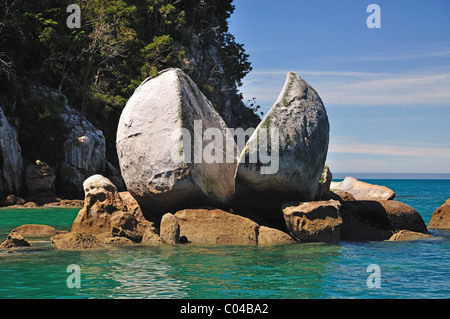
(363, 191)
(14, 240)
(378, 220)
(132, 205)
(76, 241)
(441, 217)
(13, 200)
(169, 229)
(36, 230)
(215, 226)
(313, 221)
(125, 224)
(406, 235)
(75, 203)
(272, 236)
(109, 239)
(101, 202)
(151, 236)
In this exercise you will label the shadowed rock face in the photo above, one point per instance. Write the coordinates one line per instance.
(301, 120)
(11, 162)
(157, 160)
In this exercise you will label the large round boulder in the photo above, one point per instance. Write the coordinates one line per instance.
(285, 156)
(441, 217)
(174, 148)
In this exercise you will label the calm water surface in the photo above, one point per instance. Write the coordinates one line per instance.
(417, 269)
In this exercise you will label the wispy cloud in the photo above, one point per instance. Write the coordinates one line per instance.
(345, 88)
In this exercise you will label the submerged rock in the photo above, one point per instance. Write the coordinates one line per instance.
(441, 217)
(161, 147)
(363, 191)
(407, 235)
(36, 230)
(297, 154)
(314, 221)
(76, 241)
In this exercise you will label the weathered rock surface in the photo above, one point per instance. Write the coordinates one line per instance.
(11, 162)
(169, 231)
(101, 201)
(363, 191)
(36, 230)
(14, 240)
(441, 217)
(301, 120)
(158, 162)
(272, 236)
(378, 220)
(407, 235)
(76, 241)
(313, 221)
(12, 200)
(39, 179)
(215, 226)
(125, 224)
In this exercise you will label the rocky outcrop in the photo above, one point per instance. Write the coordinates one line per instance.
(101, 202)
(314, 221)
(441, 217)
(11, 162)
(105, 214)
(363, 191)
(215, 226)
(14, 240)
(161, 148)
(407, 235)
(76, 241)
(272, 236)
(297, 157)
(378, 220)
(84, 154)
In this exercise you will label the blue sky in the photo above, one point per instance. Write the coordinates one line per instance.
(386, 91)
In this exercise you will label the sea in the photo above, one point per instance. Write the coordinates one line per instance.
(347, 270)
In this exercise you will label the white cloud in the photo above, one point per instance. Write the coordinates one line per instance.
(357, 89)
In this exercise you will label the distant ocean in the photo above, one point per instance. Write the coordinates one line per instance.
(418, 269)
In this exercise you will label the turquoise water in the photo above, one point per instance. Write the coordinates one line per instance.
(408, 269)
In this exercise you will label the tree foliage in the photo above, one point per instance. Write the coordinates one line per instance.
(119, 44)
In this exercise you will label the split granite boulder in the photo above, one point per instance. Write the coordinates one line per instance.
(441, 217)
(301, 121)
(160, 144)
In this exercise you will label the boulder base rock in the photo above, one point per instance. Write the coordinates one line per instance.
(363, 191)
(215, 226)
(441, 217)
(297, 154)
(161, 147)
(272, 236)
(76, 241)
(14, 240)
(314, 221)
(378, 220)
